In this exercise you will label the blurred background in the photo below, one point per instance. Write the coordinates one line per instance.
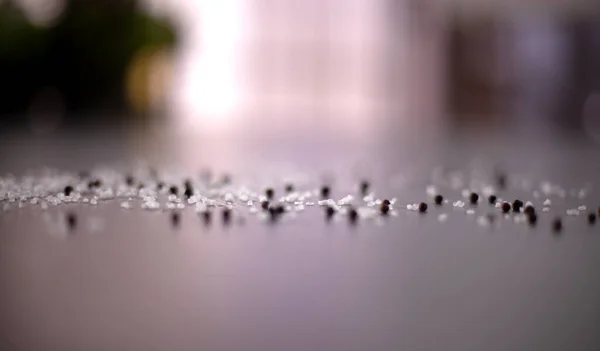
(361, 69)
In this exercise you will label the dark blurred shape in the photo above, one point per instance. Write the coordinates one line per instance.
(524, 65)
(83, 57)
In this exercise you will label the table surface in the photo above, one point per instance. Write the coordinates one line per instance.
(127, 279)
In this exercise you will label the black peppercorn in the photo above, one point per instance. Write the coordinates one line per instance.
(187, 184)
(352, 215)
(173, 190)
(386, 202)
(188, 193)
(364, 187)
(289, 188)
(529, 210)
(422, 207)
(269, 193)
(329, 212)
(517, 205)
(473, 198)
(175, 219)
(492, 199)
(384, 209)
(275, 212)
(506, 207)
(325, 192)
(71, 221)
(264, 205)
(280, 209)
(68, 190)
(129, 180)
(96, 183)
(591, 218)
(438, 199)
(557, 225)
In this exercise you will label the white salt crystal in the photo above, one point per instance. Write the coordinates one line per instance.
(346, 200)
(547, 202)
(458, 204)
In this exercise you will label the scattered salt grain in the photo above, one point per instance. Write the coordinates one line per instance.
(442, 217)
(459, 204)
(547, 202)
(573, 212)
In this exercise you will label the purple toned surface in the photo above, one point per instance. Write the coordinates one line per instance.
(412, 283)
